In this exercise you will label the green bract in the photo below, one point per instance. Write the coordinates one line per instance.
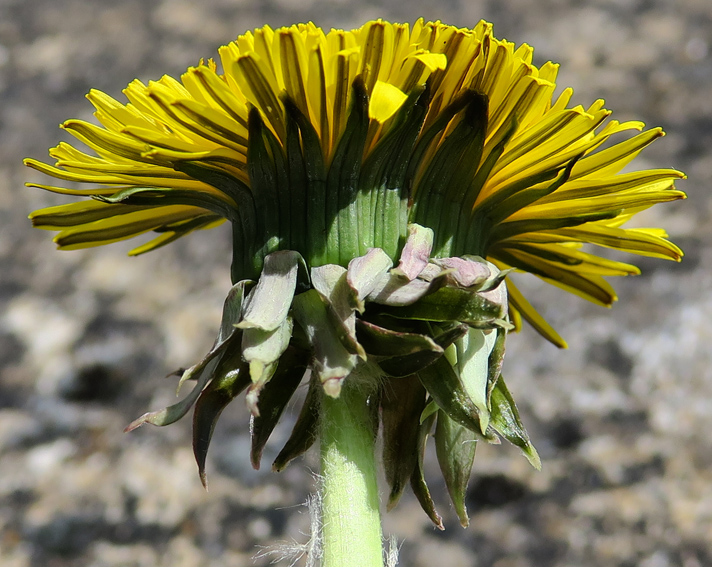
(431, 331)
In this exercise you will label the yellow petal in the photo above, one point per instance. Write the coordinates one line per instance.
(121, 227)
(531, 315)
(385, 101)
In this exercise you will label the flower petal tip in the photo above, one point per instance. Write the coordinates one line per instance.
(332, 387)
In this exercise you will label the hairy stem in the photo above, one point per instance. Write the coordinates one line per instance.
(350, 510)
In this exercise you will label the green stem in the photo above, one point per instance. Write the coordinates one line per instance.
(350, 504)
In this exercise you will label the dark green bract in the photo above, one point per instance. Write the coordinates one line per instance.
(429, 333)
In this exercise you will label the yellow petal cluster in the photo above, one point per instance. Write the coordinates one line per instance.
(204, 119)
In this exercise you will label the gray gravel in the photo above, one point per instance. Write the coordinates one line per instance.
(621, 419)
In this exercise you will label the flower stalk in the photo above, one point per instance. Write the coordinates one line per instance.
(351, 519)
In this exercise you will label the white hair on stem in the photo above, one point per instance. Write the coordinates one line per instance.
(391, 552)
(293, 551)
(311, 551)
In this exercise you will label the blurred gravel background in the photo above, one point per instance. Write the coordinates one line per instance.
(622, 419)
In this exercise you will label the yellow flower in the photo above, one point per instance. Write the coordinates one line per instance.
(331, 143)
(334, 156)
